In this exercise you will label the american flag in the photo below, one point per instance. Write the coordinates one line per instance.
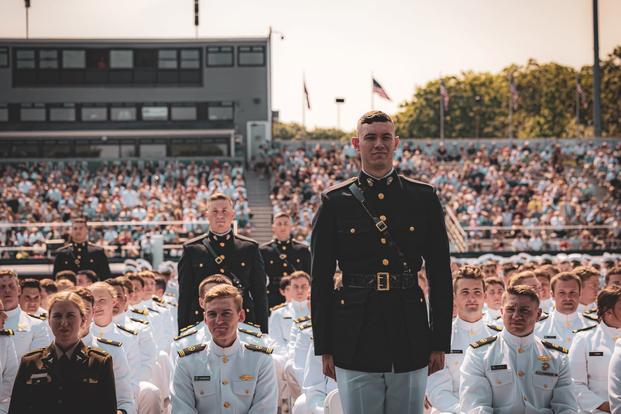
(306, 98)
(444, 95)
(377, 88)
(582, 95)
(514, 94)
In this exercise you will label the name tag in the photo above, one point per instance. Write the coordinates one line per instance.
(498, 367)
(456, 351)
(547, 374)
(39, 378)
(549, 337)
(202, 378)
(596, 354)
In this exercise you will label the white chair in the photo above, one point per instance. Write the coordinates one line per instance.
(332, 404)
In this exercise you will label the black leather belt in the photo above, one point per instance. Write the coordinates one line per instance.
(381, 281)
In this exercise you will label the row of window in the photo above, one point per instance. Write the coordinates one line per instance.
(117, 112)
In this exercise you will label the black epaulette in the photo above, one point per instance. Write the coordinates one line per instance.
(559, 348)
(249, 332)
(544, 316)
(591, 317)
(39, 317)
(188, 327)
(98, 351)
(8, 332)
(259, 348)
(191, 350)
(413, 181)
(153, 310)
(248, 239)
(484, 341)
(158, 300)
(129, 331)
(340, 185)
(139, 321)
(34, 352)
(143, 312)
(588, 328)
(110, 342)
(302, 319)
(279, 306)
(299, 242)
(66, 246)
(185, 334)
(256, 325)
(494, 327)
(306, 325)
(195, 239)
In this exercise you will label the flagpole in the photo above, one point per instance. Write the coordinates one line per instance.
(303, 100)
(577, 102)
(372, 93)
(510, 108)
(441, 118)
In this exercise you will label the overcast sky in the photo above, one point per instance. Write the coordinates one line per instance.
(339, 43)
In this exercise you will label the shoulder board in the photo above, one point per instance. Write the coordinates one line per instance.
(35, 352)
(495, 327)
(559, 348)
(294, 241)
(39, 317)
(340, 185)
(143, 312)
(544, 316)
(153, 310)
(256, 325)
(485, 341)
(421, 183)
(259, 348)
(8, 332)
(110, 342)
(306, 325)
(591, 317)
(248, 332)
(172, 295)
(588, 328)
(65, 247)
(195, 239)
(139, 321)
(248, 239)
(98, 351)
(188, 327)
(158, 299)
(591, 311)
(302, 319)
(279, 306)
(267, 244)
(185, 334)
(191, 350)
(130, 331)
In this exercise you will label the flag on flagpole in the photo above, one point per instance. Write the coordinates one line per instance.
(444, 95)
(581, 95)
(514, 94)
(377, 88)
(306, 97)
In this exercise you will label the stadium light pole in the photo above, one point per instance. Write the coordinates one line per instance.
(269, 76)
(597, 112)
(27, 6)
(339, 102)
(196, 19)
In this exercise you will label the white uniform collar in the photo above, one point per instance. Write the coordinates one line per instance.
(100, 331)
(379, 178)
(472, 327)
(13, 313)
(610, 331)
(493, 313)
(228, 351)
(120, 318)
(299, 308)
(88, 339)
(516, 342)
(565, 318)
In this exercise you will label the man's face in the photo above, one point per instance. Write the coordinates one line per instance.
(201, 298)
(88, 318)
(136, 295)
(300, 289)
(30, 299)
(282, 228)
(82, 280)
(79, 232)
(566, 296)
(590, 289)
(104, 305)
(534, 283)
(469, 298)
(9, 292)
(120, 304)
(519, 314)
(612, 317)
(222, 317)
(220, 214)
(149, 288)
(545, 287)
(376, 144)
(614, 280)
(490, 270)
(493, 296)
(65, 322)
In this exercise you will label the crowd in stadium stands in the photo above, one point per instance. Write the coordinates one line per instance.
(47, 192)
(489, 184)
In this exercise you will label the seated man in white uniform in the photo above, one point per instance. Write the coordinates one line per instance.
(469, 326)
(515, 371)
(224, 374)
(592, 350)
(560, 326)
(545, 274)
(8, 363)
(589, 276)
(494, 288)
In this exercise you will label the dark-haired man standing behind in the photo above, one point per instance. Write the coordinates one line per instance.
(373, 334)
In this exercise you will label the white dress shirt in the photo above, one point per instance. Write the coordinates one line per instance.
(281, 321)
(614, 380)
(8, 369)
(559, 328)
(30, 333)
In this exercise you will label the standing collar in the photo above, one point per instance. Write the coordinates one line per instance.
(367, 180)
(565, 318)
(515, 342)
(228, 351)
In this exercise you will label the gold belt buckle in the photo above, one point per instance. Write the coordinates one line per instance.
(382, 280)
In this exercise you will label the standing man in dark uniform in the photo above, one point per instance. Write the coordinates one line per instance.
(283, 256)
(222, 251)
(79, 254)
(373, 333)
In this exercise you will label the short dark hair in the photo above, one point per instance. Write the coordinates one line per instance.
(215, 278)
(612, 272)
(135, 277)
(566, 277)
(78, 218)
(127, 284)
(91, 275)
(470, 272)
(494, 281)
(585, 272)
(85, 294)
(30, 283)
(284, 283)
(521, 276)
(374, 116)
(160, 282)
(521, 290)
(68, 275)
(607, 298)
(48, 285)
(547, 271)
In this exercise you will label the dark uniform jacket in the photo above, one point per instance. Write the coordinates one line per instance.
(282, 258)
(84, 385)
(82, 256)
(240, 256)
(363, 328)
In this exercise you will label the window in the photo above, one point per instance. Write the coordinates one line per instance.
(154, 113)
(167, 59)
(97, 59)
(65, 113)
(121, 59)
(183, 113)
(145, 58)
(48, 59)
(4, 114)
(251, 55)
(25, 59)
(127, 113)
(4, 57)
(74, 59)
(190, 59)
(32, 114)
(220, 113)
(91, 114)
(220, 56)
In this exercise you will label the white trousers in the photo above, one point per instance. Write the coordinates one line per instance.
(382, 392)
